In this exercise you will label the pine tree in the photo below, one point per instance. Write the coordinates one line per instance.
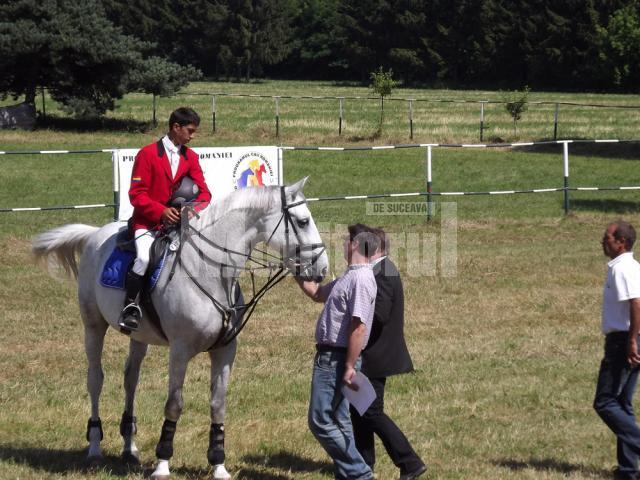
(69, 47)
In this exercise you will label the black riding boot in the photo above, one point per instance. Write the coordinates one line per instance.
(131, 314)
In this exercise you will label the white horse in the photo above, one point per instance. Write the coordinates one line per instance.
(194, 297)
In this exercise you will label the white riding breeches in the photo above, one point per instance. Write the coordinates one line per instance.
(144, 240)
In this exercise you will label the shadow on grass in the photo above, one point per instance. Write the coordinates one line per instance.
(62, 461)
(57, 461)
(550, 465)
(286, 461)
(251, 474)
(623, 151)
(66, 124)
(605, 206)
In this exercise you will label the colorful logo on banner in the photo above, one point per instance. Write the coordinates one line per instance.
(252, 170)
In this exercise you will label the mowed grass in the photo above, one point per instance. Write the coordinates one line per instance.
(503, 295)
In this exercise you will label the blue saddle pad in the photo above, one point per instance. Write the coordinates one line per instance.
(116, 268)
(117, 265)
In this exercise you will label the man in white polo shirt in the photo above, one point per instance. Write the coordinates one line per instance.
(621, 326)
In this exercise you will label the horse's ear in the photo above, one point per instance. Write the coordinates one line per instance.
(296, 187)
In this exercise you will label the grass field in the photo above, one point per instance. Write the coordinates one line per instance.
(506, 344)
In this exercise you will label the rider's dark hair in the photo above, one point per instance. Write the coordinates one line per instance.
(184, 116)
(368, 241)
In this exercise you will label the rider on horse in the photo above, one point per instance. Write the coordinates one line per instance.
(157, 174)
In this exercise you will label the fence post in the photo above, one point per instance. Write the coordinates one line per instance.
(555, 123)
(482, 102)
(281, 165)
(565, 149)
(410, 118)
(429, 198)
(116, 184)
(213, 113)
(277, 99)
(341, 99)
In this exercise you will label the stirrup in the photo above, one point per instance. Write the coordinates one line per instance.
(130, 317)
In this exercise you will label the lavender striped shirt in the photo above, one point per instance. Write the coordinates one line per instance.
(352, 295)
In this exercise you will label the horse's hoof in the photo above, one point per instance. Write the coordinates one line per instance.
(131, 458)
(160, 476)
(162, 471)
(94, 461)
(220, 473)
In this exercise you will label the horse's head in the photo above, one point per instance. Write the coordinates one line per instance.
(293, 232)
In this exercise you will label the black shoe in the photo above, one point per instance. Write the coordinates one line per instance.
(415, 474)
(130, 317)
(622, 475)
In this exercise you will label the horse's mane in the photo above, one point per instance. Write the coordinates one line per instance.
(246, 198)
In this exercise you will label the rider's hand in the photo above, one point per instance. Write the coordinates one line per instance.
(170, 216)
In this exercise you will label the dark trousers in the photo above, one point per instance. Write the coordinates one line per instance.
(376, 421)
(614, 394)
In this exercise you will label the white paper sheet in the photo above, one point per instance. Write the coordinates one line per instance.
(362, 398)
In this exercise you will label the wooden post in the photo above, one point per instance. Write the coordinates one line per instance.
(115, 168)
(277, 99)
(565, 148)
(555, 123)
(482, 119)
(429, 197)
(341, 99)
(213, 113)
(411, 118)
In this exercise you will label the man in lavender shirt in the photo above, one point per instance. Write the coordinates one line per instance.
(342, 331)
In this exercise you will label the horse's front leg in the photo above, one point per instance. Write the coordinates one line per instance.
(221, 363)
(179, 356)
(137, 352)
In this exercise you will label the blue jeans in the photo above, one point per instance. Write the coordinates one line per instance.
(614, 394)
(329, 419)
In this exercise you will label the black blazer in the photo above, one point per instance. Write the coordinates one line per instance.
(386, 352)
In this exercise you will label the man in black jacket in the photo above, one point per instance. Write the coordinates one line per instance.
(386, 354)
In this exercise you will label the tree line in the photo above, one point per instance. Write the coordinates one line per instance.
(546, 44)
(89, 53)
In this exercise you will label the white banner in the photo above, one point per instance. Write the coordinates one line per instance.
(225, 170)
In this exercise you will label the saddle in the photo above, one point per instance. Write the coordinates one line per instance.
(121, 260)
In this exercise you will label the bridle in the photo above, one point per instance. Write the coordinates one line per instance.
(277, 269)
(288, 222)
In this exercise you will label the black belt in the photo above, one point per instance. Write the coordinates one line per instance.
(617, 335)
(330, 348)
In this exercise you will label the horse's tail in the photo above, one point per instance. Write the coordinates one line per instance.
(62, 246)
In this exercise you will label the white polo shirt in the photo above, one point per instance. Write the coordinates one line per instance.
(623, 284)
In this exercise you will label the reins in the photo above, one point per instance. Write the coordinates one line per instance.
(229, 332)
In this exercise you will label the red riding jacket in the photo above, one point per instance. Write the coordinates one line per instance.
(152, 184)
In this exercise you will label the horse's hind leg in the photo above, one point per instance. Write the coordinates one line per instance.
(221, 364)
(137, 352)
(94, 331)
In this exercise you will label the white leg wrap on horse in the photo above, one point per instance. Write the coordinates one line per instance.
(162, 470)
(220, 473)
